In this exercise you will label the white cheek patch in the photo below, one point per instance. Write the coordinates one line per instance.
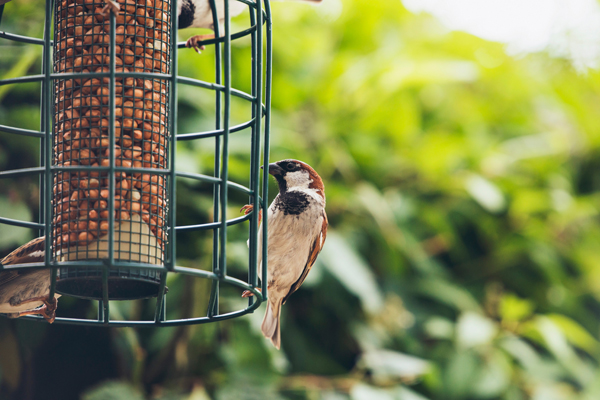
(298, 179)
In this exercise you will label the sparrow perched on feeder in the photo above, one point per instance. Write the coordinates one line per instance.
(297, 230)
(23, 291)
(198, 14)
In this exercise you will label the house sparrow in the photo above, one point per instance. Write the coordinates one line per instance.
(25, 291)
(198, 14)
(297, 230)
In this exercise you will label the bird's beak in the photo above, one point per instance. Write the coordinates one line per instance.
(275, 169)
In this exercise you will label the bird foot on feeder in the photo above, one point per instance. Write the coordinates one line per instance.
(247, 209)
(193, 41)
(48, 310)
(111, 5)
(247, 293)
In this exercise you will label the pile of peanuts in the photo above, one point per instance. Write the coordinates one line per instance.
(82, 115)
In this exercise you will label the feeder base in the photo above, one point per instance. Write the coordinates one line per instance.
(133, 242)
(144, 284)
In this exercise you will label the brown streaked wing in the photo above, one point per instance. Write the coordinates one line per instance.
(312, 257)
(22, 254)
(8, 276)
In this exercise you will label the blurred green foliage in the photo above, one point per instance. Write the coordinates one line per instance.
(463, 255)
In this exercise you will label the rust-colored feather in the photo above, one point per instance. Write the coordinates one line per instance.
(316, 181)
(315, 249)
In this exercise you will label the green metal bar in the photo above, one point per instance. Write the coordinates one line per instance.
(257, 65)
(250, 4)
(137, 324)
(186, 136)
(22, 79)
(213, 303)
(207, 134)
(218, 39)
(205, 178)
(101, 263)
(43, 144)
(1, 12)
(105, 304)
(13, 173)
(190, 321)
(21, 131)
(161, 299)
(23, 39)
(217, 181)
(24, 224)
(17, 267)
(160, 312)
(96, 264)
(258, 103)
(173, 134)
(200, 177)
(111, 172)
(48, 130)
(159, 171)
(147, 75)
(265, 189)
(225, 147)
(100, 311)
(214, 86)
(212, 225)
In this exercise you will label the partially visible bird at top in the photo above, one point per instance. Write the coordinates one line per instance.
(297, 228)
(25, 291)
(198, 14)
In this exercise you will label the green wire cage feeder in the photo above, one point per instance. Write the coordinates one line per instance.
(108, 136)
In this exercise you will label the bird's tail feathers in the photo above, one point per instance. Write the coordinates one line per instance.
(270, 325)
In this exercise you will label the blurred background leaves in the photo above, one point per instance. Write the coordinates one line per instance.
(463, 255)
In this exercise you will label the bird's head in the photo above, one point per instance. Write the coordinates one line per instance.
(297, 175)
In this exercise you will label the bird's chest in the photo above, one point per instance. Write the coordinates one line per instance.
(293, 226)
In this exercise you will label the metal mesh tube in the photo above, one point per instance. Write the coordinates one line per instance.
(82, 196)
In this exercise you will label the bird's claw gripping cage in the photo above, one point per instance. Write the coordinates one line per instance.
(107, 141)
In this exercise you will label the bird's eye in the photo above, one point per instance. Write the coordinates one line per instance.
(290, 166)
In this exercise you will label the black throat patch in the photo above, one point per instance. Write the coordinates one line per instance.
(281, 182)
(186, 17)
(292, 203)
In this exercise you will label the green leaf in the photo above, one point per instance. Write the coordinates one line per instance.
(113, 390)
(363, 391)
(494, 377)
(473, 329)
(449, 294)
(575, 333)
(349, 268)
(461, 370)
(386, 364)
(513, 308)
(485, 193)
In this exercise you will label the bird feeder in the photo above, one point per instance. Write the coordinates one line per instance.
(108, 137)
